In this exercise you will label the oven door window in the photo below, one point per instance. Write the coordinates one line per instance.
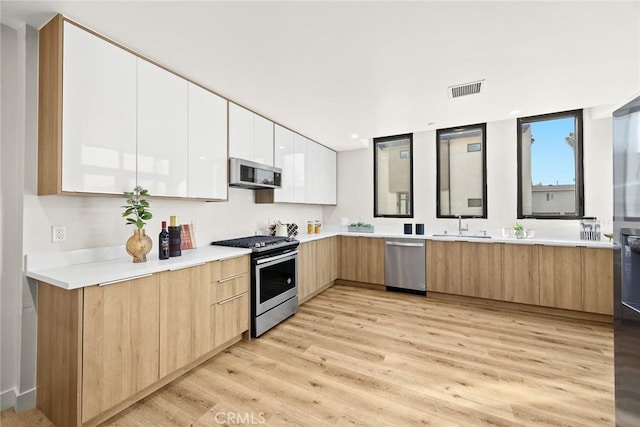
(276, 279)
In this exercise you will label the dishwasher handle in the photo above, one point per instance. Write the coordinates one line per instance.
(406, 245)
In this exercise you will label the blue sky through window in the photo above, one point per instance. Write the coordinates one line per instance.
(552, 159)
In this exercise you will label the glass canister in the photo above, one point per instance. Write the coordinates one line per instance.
(310, 227)
(316, 227)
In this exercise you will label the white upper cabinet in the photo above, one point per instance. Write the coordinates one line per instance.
(308, 169)
(99, 115)
(250, 135)
(327, 176)
(262, 140)
(207, 144)
(284, 159)
(162, 131)
(299, 168)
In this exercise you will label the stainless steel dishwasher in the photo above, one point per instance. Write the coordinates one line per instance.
(405, 265)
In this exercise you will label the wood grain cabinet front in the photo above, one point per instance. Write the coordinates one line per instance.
(362, 259)
(185, 322)
(229, 301)
(317, 267)
(443, 267)
(119, 342)
(481, 270)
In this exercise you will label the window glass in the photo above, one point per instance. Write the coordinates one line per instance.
(461, 181)
(550, 166)
(393, 176)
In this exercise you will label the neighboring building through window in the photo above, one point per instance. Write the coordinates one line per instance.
(550, 182)
(393, 176)
(462, 172)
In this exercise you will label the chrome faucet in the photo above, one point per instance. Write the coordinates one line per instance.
(460, 229)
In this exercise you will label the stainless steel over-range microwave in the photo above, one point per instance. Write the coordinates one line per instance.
(252, 175)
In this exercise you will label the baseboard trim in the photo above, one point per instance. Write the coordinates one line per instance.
(8, 399)
(20, 401)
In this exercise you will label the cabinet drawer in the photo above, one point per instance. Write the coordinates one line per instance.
(228, 288)
(231, 318)
(221, 270)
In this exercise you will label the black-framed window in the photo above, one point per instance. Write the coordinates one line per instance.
(550, 170)
(393, 176)
(461, 180)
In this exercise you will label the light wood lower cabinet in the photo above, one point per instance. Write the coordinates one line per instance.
(481, 269)
(443, 267)
(119, 342)
(571, 278)
(362, 259)
(102, 348)
(185, 323)
(230, 282)
(597, 280)
(520, 280)
(231, 318)
(317, 266)
(560, 277)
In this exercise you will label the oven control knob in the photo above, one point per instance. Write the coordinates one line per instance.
(257, 245)
(263, 244)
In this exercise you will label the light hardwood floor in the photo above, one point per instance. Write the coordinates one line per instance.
(354, 356)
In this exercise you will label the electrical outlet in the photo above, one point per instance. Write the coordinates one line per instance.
(58, 233)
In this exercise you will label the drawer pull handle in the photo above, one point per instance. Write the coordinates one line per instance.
(232, 298)
(113, 282)
(227, 279)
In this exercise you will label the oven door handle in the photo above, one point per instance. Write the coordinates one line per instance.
(277, 257)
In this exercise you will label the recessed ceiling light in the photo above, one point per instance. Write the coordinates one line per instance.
(354, 135)
(514, 112)
(431, 123)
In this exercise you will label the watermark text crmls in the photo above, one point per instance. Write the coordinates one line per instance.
(240, 418)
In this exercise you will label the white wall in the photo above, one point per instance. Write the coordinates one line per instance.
(355, 183)
(90, 221)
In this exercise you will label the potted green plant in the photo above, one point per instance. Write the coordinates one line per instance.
(361, 227)
(519, 231)
(137, 212)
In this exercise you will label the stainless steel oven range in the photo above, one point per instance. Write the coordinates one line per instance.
(274, 279)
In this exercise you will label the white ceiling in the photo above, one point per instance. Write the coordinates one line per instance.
(333, 69)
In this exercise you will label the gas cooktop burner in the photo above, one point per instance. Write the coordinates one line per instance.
(258, 243)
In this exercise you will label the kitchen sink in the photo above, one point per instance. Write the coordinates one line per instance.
(471, 236)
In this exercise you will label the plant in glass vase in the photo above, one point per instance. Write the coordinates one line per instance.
(137, 212)
(519, 231)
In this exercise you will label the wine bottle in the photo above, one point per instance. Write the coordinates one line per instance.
(174, 237)
(163, 242)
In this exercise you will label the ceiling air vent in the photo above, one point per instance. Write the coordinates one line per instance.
(466, 89)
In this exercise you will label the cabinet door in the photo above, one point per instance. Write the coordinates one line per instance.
(284, 159)
(262, 140)
(371, 267)
(299, 168)
(327, 176)
(481, 270)
(349, 258)
(520, 274)
(443, 267)
(560, 277)
(120, 342)
(312, 172)
(207, 144)
(99, 115)
(162, 131)
(328, 260)
(185, 317)
(307, 269)
(240, 132)
(231, 318)
(597, 280)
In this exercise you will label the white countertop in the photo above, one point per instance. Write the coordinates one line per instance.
(454, 237)
(87, 267)
(118, 269)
